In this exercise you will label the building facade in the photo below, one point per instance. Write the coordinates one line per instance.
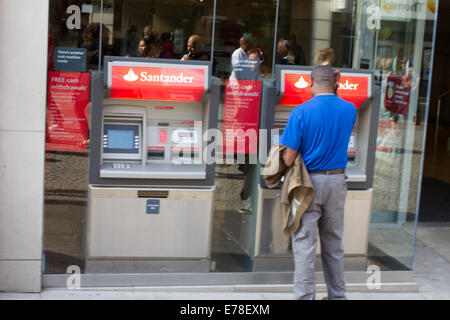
(44, 170)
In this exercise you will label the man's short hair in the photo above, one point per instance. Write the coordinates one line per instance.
(244, 41)
(323, 75)
(284, 43)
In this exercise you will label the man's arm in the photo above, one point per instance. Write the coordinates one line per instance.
(289, 156)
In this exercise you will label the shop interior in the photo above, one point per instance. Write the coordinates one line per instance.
(434, 205)
(308, 27)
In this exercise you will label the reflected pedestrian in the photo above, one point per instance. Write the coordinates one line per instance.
(297, 50)
(149, 47)
(91, 37)
(324, 57)
(195, 49)
(240, 60)
(285, 53)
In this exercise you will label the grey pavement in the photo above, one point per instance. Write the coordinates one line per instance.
(431, 273)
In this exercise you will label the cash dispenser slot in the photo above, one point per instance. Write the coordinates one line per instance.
(159, 194)
(155, 153)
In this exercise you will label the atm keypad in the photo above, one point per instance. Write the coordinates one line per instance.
(120, 165)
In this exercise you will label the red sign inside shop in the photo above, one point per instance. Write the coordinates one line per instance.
(398, 91)
(352, 87)
(67, 111)
(157, 83)
(241, 116)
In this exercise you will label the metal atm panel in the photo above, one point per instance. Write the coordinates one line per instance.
(271, 252)
(165, 142)
(153, 115)
(356, 86)
(150, 195)
(141, 228)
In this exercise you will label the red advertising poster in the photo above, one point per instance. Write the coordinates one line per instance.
(241, 116)
(397, 95)
(352, 88)
(157, 83)
(67, 111)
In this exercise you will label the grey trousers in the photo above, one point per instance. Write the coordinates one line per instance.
(324, 217)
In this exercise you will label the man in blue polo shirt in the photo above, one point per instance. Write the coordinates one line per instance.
(320, 130)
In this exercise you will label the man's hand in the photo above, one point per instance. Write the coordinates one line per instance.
(289, 156)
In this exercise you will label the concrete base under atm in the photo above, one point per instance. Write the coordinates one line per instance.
(142, 230)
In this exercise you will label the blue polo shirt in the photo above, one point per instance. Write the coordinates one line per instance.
(320, 128)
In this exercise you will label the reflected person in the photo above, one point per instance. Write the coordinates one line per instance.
(195, 49)
(240, 60)
(324, 57)
(285, 53)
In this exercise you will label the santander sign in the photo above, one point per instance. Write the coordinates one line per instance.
(157, 83)
(348, 86)
(144, 76)
(302, 83)
(352, 87)
(130, 76)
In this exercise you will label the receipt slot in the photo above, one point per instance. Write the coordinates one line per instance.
(292, 89)
(150, 192)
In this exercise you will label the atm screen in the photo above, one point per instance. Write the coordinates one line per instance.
(120, 139)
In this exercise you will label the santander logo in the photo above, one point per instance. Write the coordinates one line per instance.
(352, 87)
(181, 78)
(148, 81)
(348, 86)
(130, 76)
(301, 83)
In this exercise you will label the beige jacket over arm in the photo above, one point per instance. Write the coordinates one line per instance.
(296, 185)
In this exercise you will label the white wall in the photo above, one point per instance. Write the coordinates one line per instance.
(23, 74)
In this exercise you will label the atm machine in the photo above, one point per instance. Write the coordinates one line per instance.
(150, 205)
(292, 89)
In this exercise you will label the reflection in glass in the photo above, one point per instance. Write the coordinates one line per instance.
(169, 29)
(315, 32)
(73, 52)
(393, 42)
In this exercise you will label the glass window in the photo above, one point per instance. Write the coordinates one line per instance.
(243, 61)
(173, 29)
(395, 40)
(180, 29)
(73, 53)
(315, 32)
(244, 41)
(254, 23)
